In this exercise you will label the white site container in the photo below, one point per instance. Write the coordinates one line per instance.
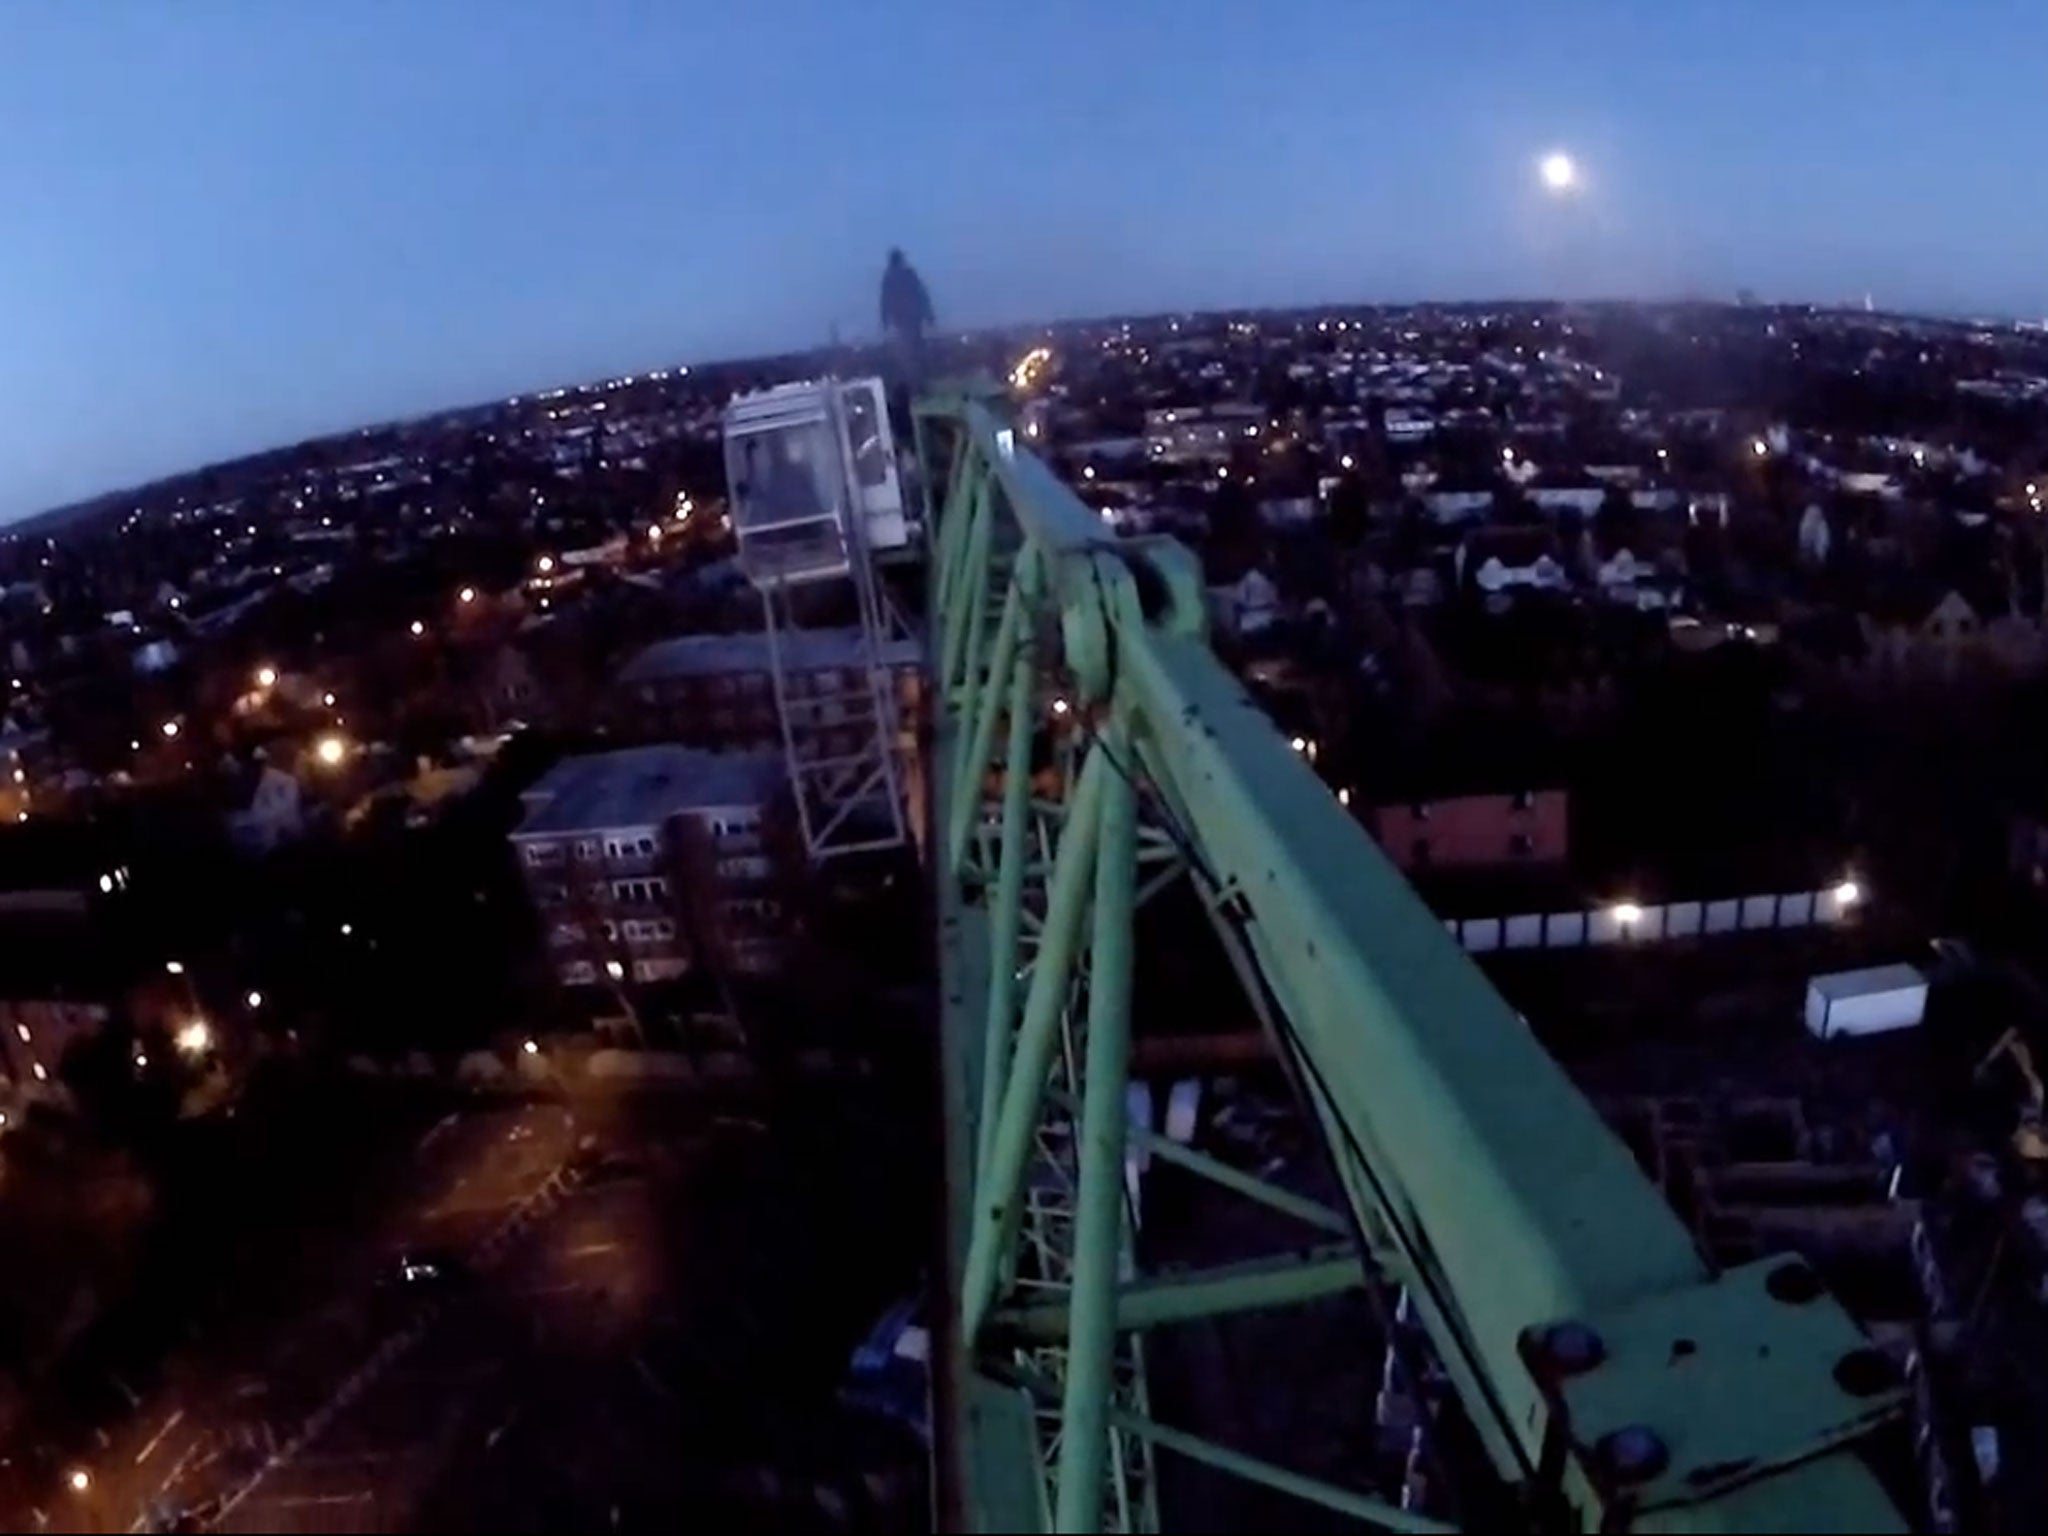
(1867, 1002)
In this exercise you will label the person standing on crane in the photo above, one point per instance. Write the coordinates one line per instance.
(906, 313)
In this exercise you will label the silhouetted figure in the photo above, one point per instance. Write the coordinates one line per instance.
(906, 312)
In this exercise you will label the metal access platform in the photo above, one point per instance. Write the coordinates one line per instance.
(813, 482)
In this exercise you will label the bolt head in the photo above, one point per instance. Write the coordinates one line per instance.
(1633, 1454)
(1570, 1348)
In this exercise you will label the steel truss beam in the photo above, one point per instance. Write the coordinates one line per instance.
(1084, 730)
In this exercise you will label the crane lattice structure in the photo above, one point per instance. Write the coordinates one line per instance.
(1090, 751)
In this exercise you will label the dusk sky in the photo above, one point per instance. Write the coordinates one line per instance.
(225, 226)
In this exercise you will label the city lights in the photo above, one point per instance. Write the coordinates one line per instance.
(170, 728)
(1030, 367)
(254, 999)
(1759, 447)
(1060, 706)
(544, 564)
(331, 751)
(174, 967)
(615, 970)
(1848, 893)
(530, 1046)
(654, 533)
(1626, 913)
(80, 1479)
(466, 595)
(195, 1037)
(327, 699)
(418, 627)
(266, 677)
(1346, 462)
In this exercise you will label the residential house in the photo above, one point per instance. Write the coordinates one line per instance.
(1199, 435)
(271, 812)
(1248, 605)
(1948, 638)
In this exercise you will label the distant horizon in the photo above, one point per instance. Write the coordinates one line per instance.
(239, 223)
(745, 359)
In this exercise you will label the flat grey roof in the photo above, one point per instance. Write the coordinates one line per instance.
(1864, 983)
(803, 650)
(643, 787)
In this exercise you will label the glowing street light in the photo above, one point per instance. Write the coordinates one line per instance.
(331, 750)
(254, 999)
(175, 967)
(1559, 171)
(615, 970)
(1626, 913)
(1848, 893)
(1060, 707)
(1759, 447)
(466, 595)
(544, 564)
(1346, 462)
(530, 1046)
(266, 677)
(327, 699)
(418, 628)
(80, 1479)
(654, 533)
(195, 1038)
(170, 728)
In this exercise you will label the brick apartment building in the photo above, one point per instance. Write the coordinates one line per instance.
(1526, 827)
(634, 858)
(718, 690)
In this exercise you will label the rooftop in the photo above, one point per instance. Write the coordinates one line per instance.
(644, 786)
(802, 650)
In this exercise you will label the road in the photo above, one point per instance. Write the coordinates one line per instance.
(631, 1359)
(270, 1355)
(655, 1304)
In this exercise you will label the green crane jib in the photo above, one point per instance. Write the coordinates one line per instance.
(1614, 1380)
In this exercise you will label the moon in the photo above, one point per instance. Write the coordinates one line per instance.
(1560, 173)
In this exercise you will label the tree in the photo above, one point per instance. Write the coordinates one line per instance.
(1350, 509)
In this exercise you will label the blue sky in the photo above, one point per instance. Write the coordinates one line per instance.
(227, 224)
